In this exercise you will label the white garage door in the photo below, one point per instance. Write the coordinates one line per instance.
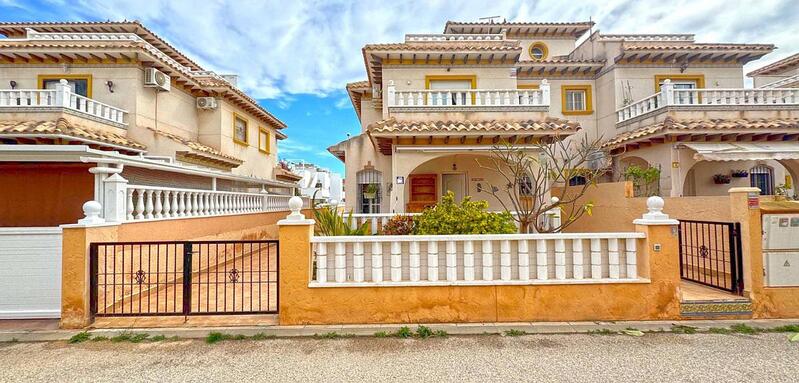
(30, 272)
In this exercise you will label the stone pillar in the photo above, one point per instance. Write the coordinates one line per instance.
(667, 89)
(545, 92)
(115, 190)
(75, 272)
(659, 257)
(62, 94)
(745, 209)
(295, 233)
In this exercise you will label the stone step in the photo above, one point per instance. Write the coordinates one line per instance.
(738, 308)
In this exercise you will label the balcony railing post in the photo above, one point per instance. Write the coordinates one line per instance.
(668, 92)
(391, 94)
(544, 92)
(115, 188)
(62, 94)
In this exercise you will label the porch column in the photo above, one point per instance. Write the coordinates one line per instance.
(75, 260)
(295, 233)
(101, 172)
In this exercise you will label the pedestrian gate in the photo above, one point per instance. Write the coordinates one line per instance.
(710, 254)
(184, 278)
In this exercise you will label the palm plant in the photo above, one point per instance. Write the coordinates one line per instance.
(329, 222)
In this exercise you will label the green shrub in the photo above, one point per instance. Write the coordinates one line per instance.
(399, 225)
(514, 332)
(682, 329)
(404, 332)
(381, 334)
(330, 222)
(742, 328)
(79, 337)
(468, 217)
(424, 332)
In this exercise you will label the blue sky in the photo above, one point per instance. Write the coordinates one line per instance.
(295, 57)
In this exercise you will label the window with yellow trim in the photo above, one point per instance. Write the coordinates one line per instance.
(80, 84)
(576, 99)
(538, 51)
(263, 140)
(240, 129)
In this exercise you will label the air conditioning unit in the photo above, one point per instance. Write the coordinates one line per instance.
(154, 78)
(206, 103)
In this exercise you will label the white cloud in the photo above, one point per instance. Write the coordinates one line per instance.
(343, 103)
(281, 48)
(290, 147)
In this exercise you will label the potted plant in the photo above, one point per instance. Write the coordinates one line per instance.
(781, 193)
(370, 191)
(740, 173)
(721, 179)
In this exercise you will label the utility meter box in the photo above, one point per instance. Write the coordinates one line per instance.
(781, 249)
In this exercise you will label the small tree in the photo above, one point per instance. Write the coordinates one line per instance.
(529, 174)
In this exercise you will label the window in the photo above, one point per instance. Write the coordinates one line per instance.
(538, 51)
(525, 186)
(576, 99)
(79, 84)
(762, 177)
(239, 129)
(577, 180)
(680, 81)
(369, 193)
(263, 140)
(453, 84)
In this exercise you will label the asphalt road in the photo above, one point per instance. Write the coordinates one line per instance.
(572, 358)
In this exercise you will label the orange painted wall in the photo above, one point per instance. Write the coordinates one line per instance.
(43, 194)
(300, 304)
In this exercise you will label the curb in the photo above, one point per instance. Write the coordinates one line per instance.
(529, 328)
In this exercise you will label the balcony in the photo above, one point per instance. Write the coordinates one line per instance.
(60, 99)
(468, 100)
(710, 103)
(433, 37)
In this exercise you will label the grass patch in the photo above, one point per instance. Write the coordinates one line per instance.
(158, 338)
(79, 337)
(262, 336)
(404, 332)
(742, 328)
(602, 331)
(130, 337)
(719, 330)
(514, 332)
(682, 329)
(440, 333)
(381, 334)
(424, 332)
(788, 328)
(99, 338)
(329, 335)
(215, 337)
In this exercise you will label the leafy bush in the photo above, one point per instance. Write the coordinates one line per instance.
(645, 180)
(399, 225)
(330, 222)
(468, 217)
(79, 337)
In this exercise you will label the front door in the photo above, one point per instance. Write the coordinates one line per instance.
(456, 183)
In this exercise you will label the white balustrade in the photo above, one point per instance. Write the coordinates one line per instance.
(151, 202)
(62, 97)
(437, 37)
(469, 98)
(670, 96)
(498, 258)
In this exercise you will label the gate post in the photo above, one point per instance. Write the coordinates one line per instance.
(745, 209)
(658, 258)
(294, 259)
(76, 278)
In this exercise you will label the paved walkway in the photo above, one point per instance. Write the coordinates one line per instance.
(475, 358)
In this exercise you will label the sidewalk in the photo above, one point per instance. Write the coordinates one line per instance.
(40, 335)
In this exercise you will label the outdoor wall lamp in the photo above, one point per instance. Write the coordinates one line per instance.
(13, 84)
(110, 85)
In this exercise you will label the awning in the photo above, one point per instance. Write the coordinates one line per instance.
(742, 151)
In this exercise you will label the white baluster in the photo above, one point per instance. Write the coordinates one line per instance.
(321, 262)
(414, 262)
(175, 204)
(613, 258)
(200, 203)
(488, 261)
(432, 261)
(478, 97)
(357, 262)
(577, 258)
(596, 259)
(468, 260)
(452, 261)
(158, 212)
(212, 204)
(524, 260)
(373, 223)
(631, 258)
(377, 262)
(504, 260)
(396, 261)
(542, 272)
(139, 203)
(167, 207)
(129, 205)
(340, 262)
(560, 259)
(148, 204)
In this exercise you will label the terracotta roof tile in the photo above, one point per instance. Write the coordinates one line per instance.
(62, 127)
(502, 45)
(195, 146)
(775, 67)
(697, 46)
(681, 126)
(393, 126)
(358, 85)
(558, 61)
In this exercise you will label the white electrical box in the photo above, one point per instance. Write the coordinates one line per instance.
(781, 249)
(782, 268)
(781, 232)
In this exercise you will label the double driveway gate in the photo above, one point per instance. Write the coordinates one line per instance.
(710, 254)
(184, 278)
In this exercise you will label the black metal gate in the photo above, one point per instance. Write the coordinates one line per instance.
(710, 254)
(184, 278)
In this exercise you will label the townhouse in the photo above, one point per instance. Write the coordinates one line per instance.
(81, 102)
(433, 106)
